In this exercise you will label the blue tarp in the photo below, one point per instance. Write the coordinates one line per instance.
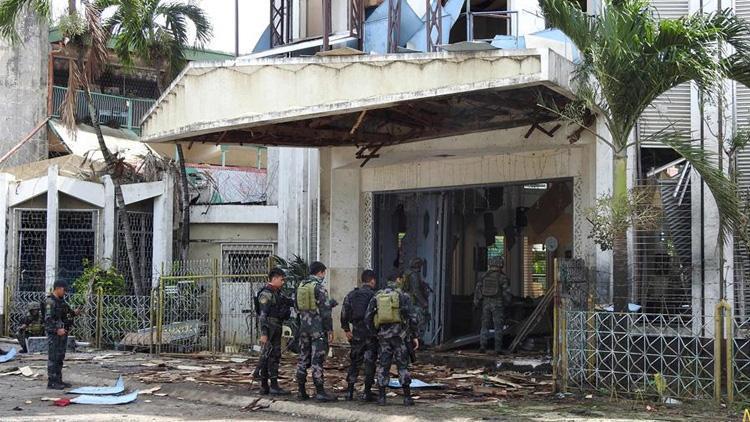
(9, 356)
(103, 400)
(415, 383)
(118, 388)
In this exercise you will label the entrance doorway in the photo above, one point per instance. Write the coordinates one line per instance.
(456, 230)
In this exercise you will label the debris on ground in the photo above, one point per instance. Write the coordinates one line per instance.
(9, 355)
(118, 388)
(474, 384)
(105, 400)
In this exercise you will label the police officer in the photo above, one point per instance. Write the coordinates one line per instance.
(57, 320)
(413, 285)
(492, 292)
(31, 326)
(274, 308)
(315, 331)
(364, 344)
(391, 315)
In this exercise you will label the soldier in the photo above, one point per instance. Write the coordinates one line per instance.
(32, 325)
(417, 289)
(57, 320)
(274, 309)
(315, 331)
(364, 344)
(493, 293)
(392, 317)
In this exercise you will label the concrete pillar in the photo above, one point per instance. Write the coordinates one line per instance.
(344, 266)
(109, 223)
(5, 179)
(601, 166)
(52, 234)
(324, 195)
(162, 243)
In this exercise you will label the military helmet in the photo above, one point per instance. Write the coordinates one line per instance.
(391, 284)
(496, 261)
(34, 306)
(416, 262)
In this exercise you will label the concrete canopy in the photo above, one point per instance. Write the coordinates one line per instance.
(359, 100)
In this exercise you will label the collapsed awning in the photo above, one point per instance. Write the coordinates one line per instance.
(84, 143)
(362, 100)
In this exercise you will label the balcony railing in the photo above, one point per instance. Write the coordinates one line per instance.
(113, 109)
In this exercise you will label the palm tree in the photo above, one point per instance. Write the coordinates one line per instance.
(155, 32)
(85, 47)
(629, 58)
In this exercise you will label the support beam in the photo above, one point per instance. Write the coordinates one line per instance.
(434, 23)
(5, 179)
(394, 24)
(109, 222)
(53, 204)
(162, 242)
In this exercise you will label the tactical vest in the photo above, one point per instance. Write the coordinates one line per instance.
(277, 308)
(35, 328)
(388, 308)
(306, 296)
(491, 284)
(360, 299)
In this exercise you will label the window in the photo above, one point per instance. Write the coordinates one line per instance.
(250, 259)
(535, 269)
(142, 229)
(31, 247)
(76, 242)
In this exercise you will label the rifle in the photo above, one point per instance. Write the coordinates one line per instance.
(410, 348)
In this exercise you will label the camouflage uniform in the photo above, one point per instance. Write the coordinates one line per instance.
(412, 284)
(313, 335)
(493, 292)
(391, 341)
(32, 326)
(364, 344)
(274, 309)
(57, 315)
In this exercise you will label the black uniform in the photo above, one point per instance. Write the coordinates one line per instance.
(364, 343)
(32, 326)
(57, 315)
(274, 309)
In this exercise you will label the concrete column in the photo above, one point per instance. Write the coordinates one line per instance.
(344, 266)
(324, 196)
(5, 179)
(163, 214)
(601, 166)
(52, 234)
(109, 223)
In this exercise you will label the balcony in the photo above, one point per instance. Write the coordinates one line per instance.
(113, 110)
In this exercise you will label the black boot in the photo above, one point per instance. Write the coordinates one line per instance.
(350, 392)
(53, 383)
(367, 393)
(263, 387)
(408, 401)
(381, 396)
(482, 349)
(321, 395)
(301, 393)
(275, 390)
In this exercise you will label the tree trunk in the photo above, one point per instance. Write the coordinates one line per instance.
(109, 159)
(620, 285)
(185, 206)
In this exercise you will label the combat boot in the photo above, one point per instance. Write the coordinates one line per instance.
(408, 401)
(263, 387)
(321, 395)
(275, 390)
(381, 396)
(367, 393)
(301, 393)
(350, 392)
(54, 384)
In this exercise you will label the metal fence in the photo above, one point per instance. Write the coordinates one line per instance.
(113, 109)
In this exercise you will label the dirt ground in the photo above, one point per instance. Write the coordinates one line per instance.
(185, 397)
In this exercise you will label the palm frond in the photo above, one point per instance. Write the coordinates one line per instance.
(70, 101)
(97, 52)
(569, 18)
(10, 12)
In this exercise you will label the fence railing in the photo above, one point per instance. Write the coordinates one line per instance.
(113, 109)
(193, 308)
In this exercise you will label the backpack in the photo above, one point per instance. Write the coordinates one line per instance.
(360, 299)
(491, 284)
(388, 308)
(306, 297)
(256, 301)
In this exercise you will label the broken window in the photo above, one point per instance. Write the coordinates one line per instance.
(142, 228)
(31, 246)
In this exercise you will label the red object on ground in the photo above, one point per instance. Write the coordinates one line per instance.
(62, 402)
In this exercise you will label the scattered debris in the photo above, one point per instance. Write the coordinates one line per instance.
(589, 396)
(62, 402)
(50, 398)
(255, 406)
(28, 402)
(118, 388)
(415, 383)
(9, 355)
(105, 400)
(150, 390)
(17, 408)
(26, 371)
(671, 401)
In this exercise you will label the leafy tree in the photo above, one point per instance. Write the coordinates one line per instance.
(629, 58)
